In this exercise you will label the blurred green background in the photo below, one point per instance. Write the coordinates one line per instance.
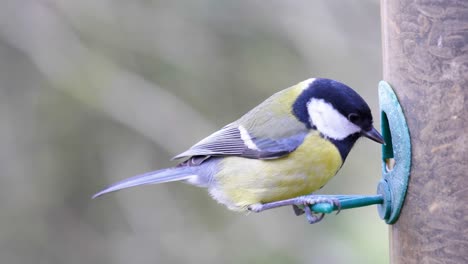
(95, 91)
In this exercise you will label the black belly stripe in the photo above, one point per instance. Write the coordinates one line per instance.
(345, 145)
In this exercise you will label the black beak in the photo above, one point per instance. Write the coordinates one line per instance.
(374, 135)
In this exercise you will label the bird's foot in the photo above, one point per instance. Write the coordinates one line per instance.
(300, 205)
(309, 200)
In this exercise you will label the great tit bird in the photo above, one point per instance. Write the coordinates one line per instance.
(278, 153)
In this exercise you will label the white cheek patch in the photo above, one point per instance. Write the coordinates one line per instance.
(329, 121)
(246, 138)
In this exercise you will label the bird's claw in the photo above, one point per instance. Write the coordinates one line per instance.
(298, 210)
(312, 217)
(300, 205)
(337, 203)
(305, 207)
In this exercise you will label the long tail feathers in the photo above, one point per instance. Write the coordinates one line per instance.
(154, 177)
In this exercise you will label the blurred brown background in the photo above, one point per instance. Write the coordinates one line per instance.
(95, 91)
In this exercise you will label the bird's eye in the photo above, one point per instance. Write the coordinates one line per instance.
(353, 117)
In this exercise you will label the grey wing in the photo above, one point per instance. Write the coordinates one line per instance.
(234, 140)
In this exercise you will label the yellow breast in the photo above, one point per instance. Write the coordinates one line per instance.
(242, 182)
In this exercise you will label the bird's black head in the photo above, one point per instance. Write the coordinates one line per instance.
(336, 111)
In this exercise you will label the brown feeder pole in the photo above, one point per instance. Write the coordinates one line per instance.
(425, 59)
